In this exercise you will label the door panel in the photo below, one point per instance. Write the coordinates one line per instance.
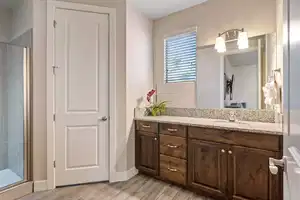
(249, 176)
(81, 96)
(81, 67)
(76, 138)
(207, 167)
(291, 95)
(147, 153)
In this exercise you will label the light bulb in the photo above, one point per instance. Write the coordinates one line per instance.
(243, 42)
(220, 45)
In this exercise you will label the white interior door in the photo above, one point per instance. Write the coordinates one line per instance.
(81, 97)
(292, 97)
(291, 104)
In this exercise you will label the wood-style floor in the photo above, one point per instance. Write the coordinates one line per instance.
(139, 187)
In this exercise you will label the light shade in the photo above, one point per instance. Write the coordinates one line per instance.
(243, 42)
(220, 45)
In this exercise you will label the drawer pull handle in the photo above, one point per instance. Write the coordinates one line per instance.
(230, 152)
(172, 129)
(172, 146)
(172, 169)
(145, 126)
(223, 151)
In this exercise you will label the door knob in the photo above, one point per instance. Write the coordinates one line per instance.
(104, 118)
(275, 163)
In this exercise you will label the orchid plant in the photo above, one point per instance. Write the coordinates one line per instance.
(157, 108)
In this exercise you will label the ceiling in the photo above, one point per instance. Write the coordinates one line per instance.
(155, 9)
(8, 3)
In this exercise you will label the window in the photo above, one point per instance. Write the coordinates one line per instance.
(180, 58)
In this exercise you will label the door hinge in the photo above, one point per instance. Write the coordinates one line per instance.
(54, 164)
(54, 23)
(54, 117)
(53, 69)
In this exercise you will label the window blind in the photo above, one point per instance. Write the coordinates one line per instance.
(180, 58)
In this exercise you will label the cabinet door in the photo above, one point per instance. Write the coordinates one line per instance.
(249, 176)
(207, 167)
(147, 153)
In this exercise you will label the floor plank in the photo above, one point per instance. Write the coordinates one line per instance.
(139, 187)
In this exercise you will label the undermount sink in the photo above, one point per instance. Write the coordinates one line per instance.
(233, 124)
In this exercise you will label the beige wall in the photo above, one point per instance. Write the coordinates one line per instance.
(15, 22)
(39, 83)
(212, 17)
(22, 18)
(139, 70)
(5, 24)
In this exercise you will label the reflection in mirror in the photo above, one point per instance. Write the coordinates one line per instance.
(189, 71)
(241, 80)
(235, 78)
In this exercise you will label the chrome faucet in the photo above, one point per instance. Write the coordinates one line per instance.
(232, 116)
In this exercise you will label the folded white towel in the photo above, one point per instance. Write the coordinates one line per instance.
(270, 93)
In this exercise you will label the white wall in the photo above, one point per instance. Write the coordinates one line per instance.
(5, 24)
(22, 18)
(16, 21)
(245, 84)
(212, 17)
(39, 84)
(139, 69)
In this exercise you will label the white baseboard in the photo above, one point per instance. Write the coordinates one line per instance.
(131, 173)
(123, 176)
(40, 186)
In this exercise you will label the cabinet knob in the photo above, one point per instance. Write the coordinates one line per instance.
(230, 152)
(155, 138)
(223, 150)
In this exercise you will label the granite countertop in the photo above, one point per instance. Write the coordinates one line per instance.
(245, 126)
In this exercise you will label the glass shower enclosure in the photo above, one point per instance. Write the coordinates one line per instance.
(14, 116)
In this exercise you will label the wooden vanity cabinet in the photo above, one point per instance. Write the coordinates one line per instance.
(221, 164)
(147, 149)
(207, 168)
(233, 164)
(249, 177)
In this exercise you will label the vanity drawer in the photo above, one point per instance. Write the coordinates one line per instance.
(173, 169)
(147, 126)
(254, 140)
(173, 146)
(172, 129)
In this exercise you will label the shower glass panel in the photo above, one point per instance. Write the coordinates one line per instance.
(14, 89)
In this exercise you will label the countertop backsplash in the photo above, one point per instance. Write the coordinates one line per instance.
(267, 116)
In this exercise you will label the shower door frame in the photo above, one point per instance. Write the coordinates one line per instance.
(25, 186)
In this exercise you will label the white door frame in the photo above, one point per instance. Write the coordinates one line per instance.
(51, 8)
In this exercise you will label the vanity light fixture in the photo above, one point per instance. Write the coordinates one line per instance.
(243, 42)
(220, 45)
(231, 35)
